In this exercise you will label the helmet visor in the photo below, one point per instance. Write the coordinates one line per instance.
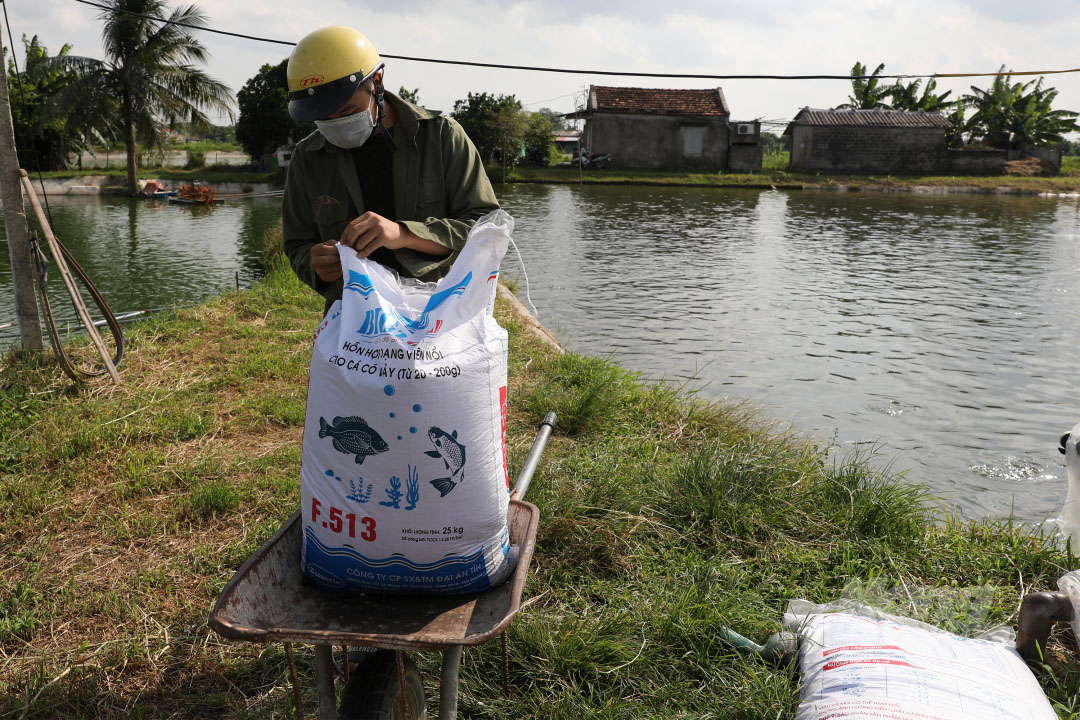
(319, 101)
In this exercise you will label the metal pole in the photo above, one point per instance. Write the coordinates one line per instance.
(324, 679)
(22, 269)
(521, 485)
(448, 683)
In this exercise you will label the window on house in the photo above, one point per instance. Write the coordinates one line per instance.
(693, 140)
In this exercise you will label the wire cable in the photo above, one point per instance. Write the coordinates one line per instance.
(26, 113)
(571, 71)
(528, 296)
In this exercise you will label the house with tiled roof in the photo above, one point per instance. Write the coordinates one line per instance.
(662, 129)
(879, 140)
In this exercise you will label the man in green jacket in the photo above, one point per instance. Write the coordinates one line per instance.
(397, 183)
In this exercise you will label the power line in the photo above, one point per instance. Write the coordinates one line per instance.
(536, 68)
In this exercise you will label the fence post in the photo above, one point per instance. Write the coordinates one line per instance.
(22, 269)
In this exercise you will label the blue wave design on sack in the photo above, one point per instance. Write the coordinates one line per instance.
(360, 283)
(388, 321)
(342, 568)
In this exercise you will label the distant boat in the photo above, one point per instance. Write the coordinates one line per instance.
(193, 201)
(196, 193)
(158, 194)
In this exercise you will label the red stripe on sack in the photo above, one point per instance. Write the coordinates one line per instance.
(502, 412)
(844, 648)
(869, 661)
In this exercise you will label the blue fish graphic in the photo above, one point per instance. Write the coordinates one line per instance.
(453, 456)
(353, 436)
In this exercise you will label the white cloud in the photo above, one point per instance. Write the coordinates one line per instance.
(687, 36)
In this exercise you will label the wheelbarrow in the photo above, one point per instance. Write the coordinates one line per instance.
(268, 599)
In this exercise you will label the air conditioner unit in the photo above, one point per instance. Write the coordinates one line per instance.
(745, 129)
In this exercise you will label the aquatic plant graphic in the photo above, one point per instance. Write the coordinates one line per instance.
(360, 494)
(394, 493)
(413, 483)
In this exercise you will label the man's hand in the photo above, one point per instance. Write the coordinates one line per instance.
(370, 232)
(326, 262)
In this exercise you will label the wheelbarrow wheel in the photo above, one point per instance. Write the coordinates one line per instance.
(374, 691)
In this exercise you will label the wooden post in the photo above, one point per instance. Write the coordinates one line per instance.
(580, 173)
(22, 269)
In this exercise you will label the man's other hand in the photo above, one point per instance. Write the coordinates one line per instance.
(326, 262)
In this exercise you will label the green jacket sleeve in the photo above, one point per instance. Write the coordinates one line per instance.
(467, 197)
(298, 227)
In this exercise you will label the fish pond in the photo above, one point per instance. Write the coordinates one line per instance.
(937, 331)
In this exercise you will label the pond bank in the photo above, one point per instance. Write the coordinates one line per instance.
(124, 510)
(230, 181)
(105, 185)
(1068, 183)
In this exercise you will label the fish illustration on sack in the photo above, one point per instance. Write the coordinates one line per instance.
(452, 453)
(353, 436)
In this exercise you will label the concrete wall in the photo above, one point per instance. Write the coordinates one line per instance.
(866, 149)
(1051, 157)
(745, 158)
(657, 142)
(974, 162)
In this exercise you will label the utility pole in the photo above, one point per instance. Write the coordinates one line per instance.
(22, 269)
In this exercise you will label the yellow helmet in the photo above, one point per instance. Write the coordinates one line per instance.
(325, 69)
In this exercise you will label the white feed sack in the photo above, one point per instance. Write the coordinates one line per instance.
(872, 666)
(404, 486)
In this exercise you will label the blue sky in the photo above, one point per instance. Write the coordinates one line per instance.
(688, 36)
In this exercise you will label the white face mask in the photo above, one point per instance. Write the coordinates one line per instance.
(350, 131)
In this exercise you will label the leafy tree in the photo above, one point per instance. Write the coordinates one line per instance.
(43, 139)
(491, 122)
(407, 95)
(264, 124)
(907, 97)
(558, 122)
(150, 72)
(866, 94)
(772, 143)
(958, 126)
(539, 140)
(1017, 115)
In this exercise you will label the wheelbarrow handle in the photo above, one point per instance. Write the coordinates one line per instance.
(521, 485)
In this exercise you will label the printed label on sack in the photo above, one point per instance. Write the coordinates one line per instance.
(403, 479)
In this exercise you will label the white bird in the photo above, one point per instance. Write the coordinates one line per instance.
(1069, 520)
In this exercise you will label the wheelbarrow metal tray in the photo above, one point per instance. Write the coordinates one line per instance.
(269, 599)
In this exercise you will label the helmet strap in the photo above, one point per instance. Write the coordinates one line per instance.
(380, 101)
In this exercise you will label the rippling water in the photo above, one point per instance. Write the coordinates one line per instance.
(145, 254)
(940, 330)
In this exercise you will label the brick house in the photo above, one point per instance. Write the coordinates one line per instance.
(876, 141)
(660, 129)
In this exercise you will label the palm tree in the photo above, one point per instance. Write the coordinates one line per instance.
(151, 74)
(43, 140)
(865, 93)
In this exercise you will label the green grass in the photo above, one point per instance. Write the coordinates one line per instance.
(124, 511)
(774, 174)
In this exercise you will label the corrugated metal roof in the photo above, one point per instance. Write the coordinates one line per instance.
(656, 101)
(870, 118)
